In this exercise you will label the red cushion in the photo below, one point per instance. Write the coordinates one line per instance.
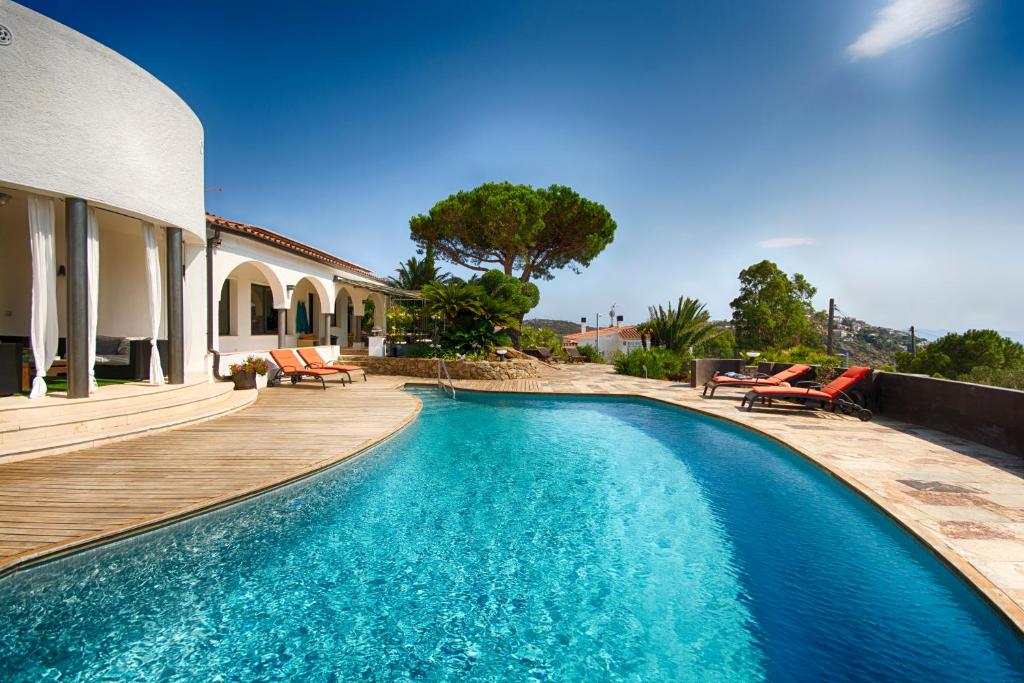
(795, 392)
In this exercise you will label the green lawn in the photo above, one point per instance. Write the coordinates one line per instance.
(60, 384)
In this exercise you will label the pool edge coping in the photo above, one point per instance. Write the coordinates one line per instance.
(995, 597)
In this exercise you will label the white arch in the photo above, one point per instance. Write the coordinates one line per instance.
(326, 299)
(273, 281)
(380, 310)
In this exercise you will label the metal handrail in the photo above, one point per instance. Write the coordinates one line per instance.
(441, 365)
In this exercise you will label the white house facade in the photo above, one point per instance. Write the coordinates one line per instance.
(111, 267)
(271, 291)
(607, 340)
(101, 176)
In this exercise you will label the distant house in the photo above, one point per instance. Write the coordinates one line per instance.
(607, 340)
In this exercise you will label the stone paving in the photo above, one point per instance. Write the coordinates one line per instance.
(964, 500)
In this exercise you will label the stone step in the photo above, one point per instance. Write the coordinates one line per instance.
(55, 410)
(81, 429)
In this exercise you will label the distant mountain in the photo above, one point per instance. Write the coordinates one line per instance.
(561, 327)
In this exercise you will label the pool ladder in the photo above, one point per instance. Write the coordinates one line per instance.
(441, 365)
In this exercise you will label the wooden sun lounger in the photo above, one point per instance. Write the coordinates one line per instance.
(313, 360)
(289, 365)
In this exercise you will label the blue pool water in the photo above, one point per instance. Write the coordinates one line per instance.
(516, 538)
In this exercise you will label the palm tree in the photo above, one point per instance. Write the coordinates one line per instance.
(414, 273)
(682, 328)
(448, 300)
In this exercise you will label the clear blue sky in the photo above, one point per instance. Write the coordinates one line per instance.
(877, 146)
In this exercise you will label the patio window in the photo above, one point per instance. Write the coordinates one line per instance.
(224, 310)
(264, 317)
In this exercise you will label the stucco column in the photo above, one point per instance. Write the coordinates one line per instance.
(282, 321)
(77, 337)
(175, 309)
(325, 338)
(357, 331)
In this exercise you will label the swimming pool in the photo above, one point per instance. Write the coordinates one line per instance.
(504, 537)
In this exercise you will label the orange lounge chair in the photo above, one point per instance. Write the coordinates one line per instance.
(288, 364)
(312, 359)
(787, 375)
(832, 395)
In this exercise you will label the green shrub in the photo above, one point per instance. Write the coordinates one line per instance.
(721, 346)
(660, 363)
(801, 354)
(995, 377)
(541, 337)
(959, 354)
(590, 354)
(422, 351)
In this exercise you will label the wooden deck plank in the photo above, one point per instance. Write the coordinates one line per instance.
(66, 500)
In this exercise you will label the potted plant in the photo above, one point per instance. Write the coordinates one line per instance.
(244, 374)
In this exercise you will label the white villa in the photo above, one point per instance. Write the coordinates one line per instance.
(607, 340)
(108, 252)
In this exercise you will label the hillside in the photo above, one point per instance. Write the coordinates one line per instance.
(560, 327)
(865, 344)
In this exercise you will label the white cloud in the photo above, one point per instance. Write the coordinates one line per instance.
(785, 242)
(902, 21)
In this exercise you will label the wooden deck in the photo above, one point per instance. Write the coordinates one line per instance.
(63, 502)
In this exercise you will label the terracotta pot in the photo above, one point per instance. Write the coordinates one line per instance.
(244, 380)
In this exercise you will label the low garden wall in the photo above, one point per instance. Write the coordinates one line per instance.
(987, 415)
(458, 369)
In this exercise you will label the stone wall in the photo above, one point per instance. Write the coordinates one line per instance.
(458, 369)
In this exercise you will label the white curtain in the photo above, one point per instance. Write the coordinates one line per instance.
(156, 373)
(41, 229)
(93, 266)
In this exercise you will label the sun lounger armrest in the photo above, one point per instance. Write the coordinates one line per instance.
(810, 385)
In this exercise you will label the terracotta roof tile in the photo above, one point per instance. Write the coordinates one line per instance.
(288, 244)
(624, 332)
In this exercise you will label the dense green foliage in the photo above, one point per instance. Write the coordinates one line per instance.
(478, 314)
(541, 337)
(722, 345)
(590, 354)
(773, 309)
(801, 354)
(680, 329)
(661, 363)
(506, 299)
(449, 300)
(1004, 377)
(516, 228)
(981, 356)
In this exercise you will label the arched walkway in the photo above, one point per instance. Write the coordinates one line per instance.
(310, 301)
(247, 317)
